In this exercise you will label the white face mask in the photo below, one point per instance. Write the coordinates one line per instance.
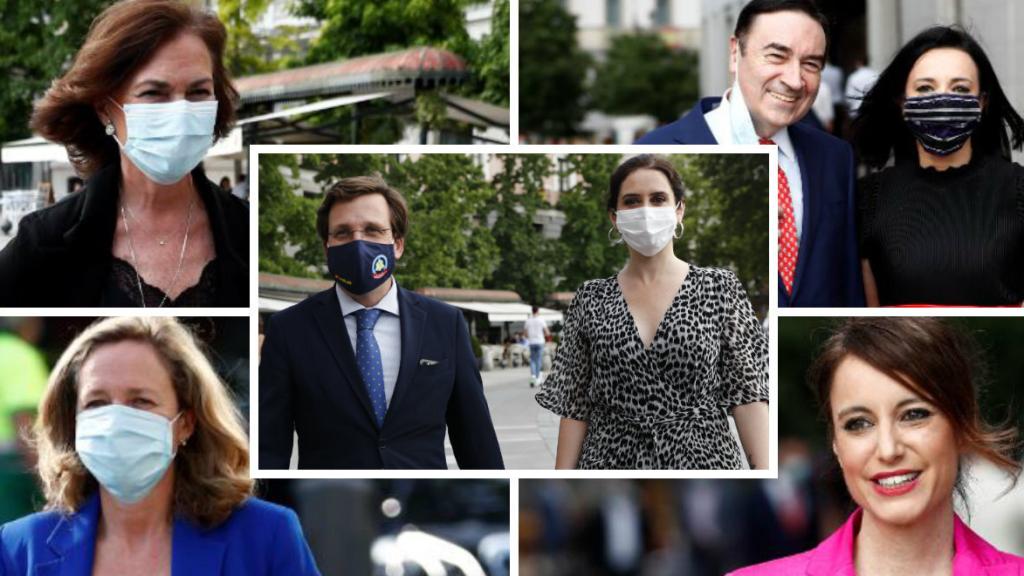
(647, 230)
(168, 139)
(127, 450)
(739, 115)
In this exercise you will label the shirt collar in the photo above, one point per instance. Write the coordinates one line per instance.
(389, 303)
(781, 138)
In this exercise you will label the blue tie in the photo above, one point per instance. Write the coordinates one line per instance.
(368, 360)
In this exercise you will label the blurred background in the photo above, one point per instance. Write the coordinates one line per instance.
(709, 527)
(354, 527)
(308, 71)
(494, 234)
(607, 71)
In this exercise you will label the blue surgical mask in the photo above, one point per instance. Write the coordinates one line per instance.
(167, 140)
(360, 266)
(126, 450)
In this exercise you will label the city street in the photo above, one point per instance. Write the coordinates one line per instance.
(526, 432)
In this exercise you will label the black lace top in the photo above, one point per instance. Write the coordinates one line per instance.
(949, 238)
(122, 289)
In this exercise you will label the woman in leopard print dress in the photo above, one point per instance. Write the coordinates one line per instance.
(652, 359)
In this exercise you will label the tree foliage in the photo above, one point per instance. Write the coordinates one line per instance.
(357, 27)
(527, 259)
(38, 39)
(552, 70)
(643, 75)
(246, 51)
(288, 243)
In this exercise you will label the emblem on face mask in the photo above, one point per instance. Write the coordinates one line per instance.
(379, 268)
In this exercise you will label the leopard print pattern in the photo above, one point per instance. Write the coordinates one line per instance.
(664, 407)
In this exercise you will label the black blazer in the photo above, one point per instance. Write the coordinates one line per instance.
(309, 384)
(62, 254)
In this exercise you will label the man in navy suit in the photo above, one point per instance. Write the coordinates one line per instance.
(368, 374)
(777, 53)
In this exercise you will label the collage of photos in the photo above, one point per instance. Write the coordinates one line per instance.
(483, 288)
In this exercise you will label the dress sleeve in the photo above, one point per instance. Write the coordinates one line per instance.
(743, 357)
(566, 390)
(291, 553)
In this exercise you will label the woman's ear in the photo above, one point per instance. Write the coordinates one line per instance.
(836, 452)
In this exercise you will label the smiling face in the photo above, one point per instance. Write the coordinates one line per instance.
(130, 373)
(943, 71)
(779, 69)
(898, 453)
(180, 69)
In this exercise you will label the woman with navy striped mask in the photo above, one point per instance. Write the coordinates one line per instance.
(943, 225)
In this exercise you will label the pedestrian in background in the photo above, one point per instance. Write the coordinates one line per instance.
(536, 336)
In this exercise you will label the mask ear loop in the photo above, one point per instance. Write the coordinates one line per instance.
(184, 441)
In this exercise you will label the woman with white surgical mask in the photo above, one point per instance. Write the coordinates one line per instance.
(145, 467)
(653, 359)
(138, 110)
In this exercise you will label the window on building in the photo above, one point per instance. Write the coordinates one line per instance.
(613, 13)
(662, 13)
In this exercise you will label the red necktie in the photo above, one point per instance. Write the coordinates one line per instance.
(788, 245)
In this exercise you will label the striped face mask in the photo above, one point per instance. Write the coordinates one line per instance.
(942, 123)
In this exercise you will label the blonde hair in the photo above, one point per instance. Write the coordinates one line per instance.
(211, 470)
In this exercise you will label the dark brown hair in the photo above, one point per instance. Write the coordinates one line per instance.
(755, 8)
(347, 189)
(644, 161)
(933, 359)
(121, 40)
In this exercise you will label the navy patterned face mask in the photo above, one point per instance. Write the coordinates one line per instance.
(942, 123)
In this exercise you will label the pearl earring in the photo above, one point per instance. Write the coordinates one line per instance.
(109, 129)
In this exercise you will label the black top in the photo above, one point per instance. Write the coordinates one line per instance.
(954, 237)
(62, 255)
(663, 406)
(122, 289)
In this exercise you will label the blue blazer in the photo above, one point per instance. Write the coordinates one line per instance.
(828, 268)
(259, 538)
(309, 384)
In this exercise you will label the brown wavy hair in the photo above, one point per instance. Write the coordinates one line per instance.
(121, 40)
(936, 361)
(211, 470)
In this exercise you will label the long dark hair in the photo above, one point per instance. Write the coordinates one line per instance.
(879, 129)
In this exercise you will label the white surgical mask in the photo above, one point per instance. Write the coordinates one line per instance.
(739, 115)
(167, 140)
(127, 450)
(647, 230)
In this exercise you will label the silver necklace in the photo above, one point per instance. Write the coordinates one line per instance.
(135, 260)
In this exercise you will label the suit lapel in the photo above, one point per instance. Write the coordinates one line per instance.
(810, 179)
(694, 128)
(195, 552)
(412, 318)
(73, 543)
(332, 328)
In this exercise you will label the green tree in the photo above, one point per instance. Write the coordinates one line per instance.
(448, 245)
(288, 242)
(357, 27)
(488, 60)
(248, 52)
(552, 69)
(528, 263)
(643, 75)
(727, 217)
(585, 250)
(37, 41)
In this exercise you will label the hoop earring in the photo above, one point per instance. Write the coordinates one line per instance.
(613, 240)
(681, 229)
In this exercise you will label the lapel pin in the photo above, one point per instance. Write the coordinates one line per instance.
(426, 362)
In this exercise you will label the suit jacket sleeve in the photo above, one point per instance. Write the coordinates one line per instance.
(12, 271)
(277, 423)
(291, 553)
(853, 283)
(470, 429)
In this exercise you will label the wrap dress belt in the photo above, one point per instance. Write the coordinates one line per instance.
(658, 430)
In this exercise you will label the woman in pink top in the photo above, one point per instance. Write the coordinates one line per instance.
(901, 401)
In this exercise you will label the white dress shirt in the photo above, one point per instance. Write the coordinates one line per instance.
(720, 121)
(387, 331)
